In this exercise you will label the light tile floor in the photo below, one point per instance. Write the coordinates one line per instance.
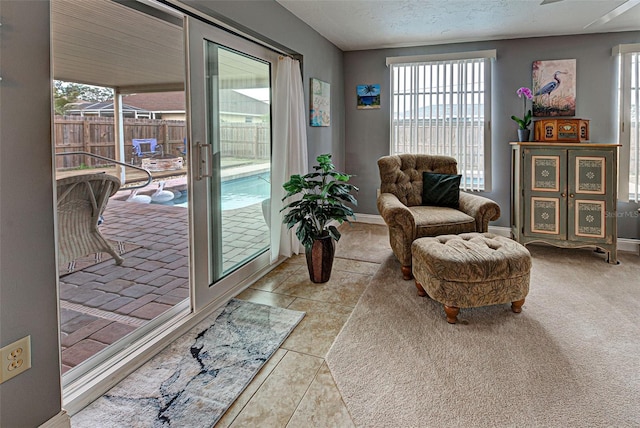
(295, 388)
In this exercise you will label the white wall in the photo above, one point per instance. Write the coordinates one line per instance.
(28, 300)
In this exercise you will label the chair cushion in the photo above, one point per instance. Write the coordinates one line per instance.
(434, 221)
(441, 190)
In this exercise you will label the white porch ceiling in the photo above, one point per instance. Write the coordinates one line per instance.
(103, 43)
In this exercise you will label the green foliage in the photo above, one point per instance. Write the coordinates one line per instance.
(324, 195)
(525, 122)
(66, 92)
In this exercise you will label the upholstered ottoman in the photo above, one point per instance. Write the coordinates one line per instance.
(471, 270)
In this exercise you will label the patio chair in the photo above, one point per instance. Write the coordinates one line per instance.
(81, 201)
(145, 147)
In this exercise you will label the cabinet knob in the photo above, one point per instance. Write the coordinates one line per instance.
(571, 195)
(564, 195)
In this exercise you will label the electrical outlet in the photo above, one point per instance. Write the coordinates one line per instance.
(15, 358)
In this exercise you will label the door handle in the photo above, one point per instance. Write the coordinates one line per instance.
(204, 161)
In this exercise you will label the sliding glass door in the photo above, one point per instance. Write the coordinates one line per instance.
(230, 109)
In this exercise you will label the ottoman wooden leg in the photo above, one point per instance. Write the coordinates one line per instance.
(517, 306)
(406, 272)
(452, 314)
(421, 291)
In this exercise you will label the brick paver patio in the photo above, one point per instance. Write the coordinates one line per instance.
(104, 302)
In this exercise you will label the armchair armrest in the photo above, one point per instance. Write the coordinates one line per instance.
(482, 209)
(396, 214)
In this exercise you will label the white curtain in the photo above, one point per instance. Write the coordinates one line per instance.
(289, 150)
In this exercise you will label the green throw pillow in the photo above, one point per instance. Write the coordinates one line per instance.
(441, 190)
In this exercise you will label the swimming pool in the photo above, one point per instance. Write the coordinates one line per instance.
(237, 193)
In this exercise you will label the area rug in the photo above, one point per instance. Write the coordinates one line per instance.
(570, 359)
(194, 380)
(81, 263)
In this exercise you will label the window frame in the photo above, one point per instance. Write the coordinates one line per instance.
(487, 56)
(624, 55)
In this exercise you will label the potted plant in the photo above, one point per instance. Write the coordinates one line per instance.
(524, 122)
(325, 194)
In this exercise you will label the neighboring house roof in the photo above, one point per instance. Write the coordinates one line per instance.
(76, 108)
(157, 101)
(233, 103)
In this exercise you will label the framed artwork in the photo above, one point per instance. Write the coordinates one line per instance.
(554, 88)
(320, 114)
(368, 96)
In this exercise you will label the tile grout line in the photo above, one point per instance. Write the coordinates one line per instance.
(315, 376)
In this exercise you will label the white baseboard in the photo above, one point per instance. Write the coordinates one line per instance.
(61, 420)
(624, 244)
(369, 219)
(629, 245)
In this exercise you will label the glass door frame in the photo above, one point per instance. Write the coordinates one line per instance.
(203, 289)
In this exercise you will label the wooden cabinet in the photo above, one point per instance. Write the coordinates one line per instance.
(565, 195)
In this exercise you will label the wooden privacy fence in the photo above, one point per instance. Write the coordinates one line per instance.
(97, 135)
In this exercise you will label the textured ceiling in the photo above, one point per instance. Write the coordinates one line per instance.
(373, 24)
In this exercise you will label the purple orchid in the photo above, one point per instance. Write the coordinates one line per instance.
(526, 92)
(526, 120)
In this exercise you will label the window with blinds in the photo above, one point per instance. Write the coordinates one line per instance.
(629, 95)
(442, 106)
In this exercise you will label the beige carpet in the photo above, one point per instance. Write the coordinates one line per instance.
(570, 359)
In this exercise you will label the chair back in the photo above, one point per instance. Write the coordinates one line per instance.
(81, 201)
(143, 146)
(402, 174)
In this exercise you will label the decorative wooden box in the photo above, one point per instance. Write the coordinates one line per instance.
(561, 130)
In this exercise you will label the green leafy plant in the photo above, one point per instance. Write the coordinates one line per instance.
(325, 194)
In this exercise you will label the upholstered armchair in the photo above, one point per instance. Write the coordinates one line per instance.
(400, 204)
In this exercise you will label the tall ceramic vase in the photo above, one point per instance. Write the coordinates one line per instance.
(523, 135)
(320, 259)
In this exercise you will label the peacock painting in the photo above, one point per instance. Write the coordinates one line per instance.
(554, 88)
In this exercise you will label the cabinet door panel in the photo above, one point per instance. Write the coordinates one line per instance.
(590, 190)
(545, 216)
(589, 173)
(589, 219)
(545, 213)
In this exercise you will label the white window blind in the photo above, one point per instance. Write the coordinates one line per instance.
(443, 107)
(629, 136)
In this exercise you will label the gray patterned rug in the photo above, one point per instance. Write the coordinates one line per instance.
(193, 381)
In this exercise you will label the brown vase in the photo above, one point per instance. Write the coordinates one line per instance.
(320, 259)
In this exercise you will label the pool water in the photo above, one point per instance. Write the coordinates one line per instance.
(237, 193)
